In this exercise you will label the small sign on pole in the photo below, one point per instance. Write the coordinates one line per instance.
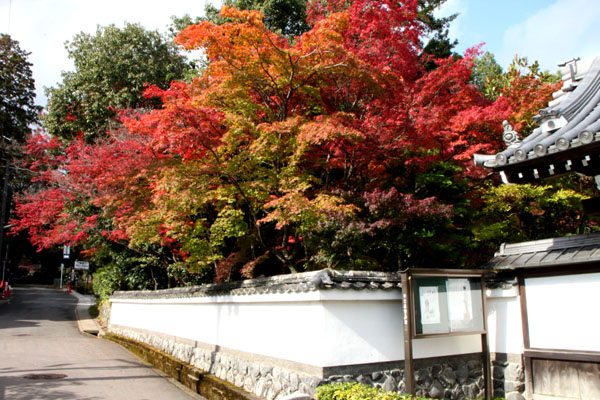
(82, 265)
(66, 251)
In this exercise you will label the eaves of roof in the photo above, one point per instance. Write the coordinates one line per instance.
(567, 138)
(564, 251)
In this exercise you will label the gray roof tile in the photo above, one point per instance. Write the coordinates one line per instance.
(568, 126)
(325, 279)
(570, 250)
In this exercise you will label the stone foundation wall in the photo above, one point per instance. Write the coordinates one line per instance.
(456, 377)
(453, 377)
(259, 378)
(508, 376)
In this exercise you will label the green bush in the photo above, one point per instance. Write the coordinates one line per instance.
(357, 391)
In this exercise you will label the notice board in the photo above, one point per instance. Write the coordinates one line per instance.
(438, 302)
(447, 305)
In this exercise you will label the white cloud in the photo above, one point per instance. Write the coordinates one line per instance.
(563, 30)
(454, 7)
(43, 26)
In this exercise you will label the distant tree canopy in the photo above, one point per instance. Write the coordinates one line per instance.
(436, 40)
(17, 91)
(112, 68)
(346, 147)
(289, 18)
(286, 17)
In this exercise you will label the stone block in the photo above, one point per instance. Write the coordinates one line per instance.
(475, 367)
(295, 396)
(436, 390)
(471, 391)
(310, 382)
(364, 380)
(376, 376)
(277, 386)
(261, 387)
(270, 393)
(239, 380)
(462, 373)
(390, 384)
(436, 370)
(515, 396)
(510, 386)
(420, 375)
(248, 384)
(498, 373)
(448, 377)
(457, 392)
(514, 372)
(243, 367)
(401, 387)
(294, 381)
(397, 373)
(253, 371)
(265, 369)
(428, 381)
(230, 376)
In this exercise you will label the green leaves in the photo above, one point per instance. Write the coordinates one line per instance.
(515, 213)
(230, 224)
(17, 92)
(112, 68)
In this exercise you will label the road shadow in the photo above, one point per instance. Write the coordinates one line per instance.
(29, 304)
(17, 387)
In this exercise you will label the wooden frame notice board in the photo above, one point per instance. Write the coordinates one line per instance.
(444, 303)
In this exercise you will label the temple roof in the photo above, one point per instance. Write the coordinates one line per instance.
(567, 138)
(564, 251)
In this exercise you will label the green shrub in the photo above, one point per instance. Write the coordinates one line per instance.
(357, 391)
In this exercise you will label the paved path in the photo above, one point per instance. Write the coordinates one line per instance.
(44, 356)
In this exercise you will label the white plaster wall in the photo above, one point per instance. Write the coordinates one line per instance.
(563, 312)
(505, 331)
(320, 328)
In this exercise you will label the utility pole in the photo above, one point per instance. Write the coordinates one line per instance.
(2, 215)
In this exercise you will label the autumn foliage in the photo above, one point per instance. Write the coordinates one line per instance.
(336, 149)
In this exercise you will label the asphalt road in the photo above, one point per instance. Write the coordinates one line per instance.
(44, 356)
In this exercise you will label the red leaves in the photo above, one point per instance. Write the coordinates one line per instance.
(402, 207)
(42, 215)
(342, 123)
(180, 127)
(385, 35)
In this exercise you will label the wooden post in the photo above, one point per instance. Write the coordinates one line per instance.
(409, 375)
(2, 221)
(485, 347)
(527, 362)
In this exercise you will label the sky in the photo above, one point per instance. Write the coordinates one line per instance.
(549, 31)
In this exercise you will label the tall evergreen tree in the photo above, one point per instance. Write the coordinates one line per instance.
(17, 91)
(112, 68)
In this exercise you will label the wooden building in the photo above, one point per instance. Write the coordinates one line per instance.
(558, 279)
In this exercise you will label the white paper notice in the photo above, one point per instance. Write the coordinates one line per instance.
(460, 308)
(430, 305)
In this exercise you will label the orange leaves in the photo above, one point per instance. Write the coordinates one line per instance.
(253, 64)
(296, 209)
(339, 136)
